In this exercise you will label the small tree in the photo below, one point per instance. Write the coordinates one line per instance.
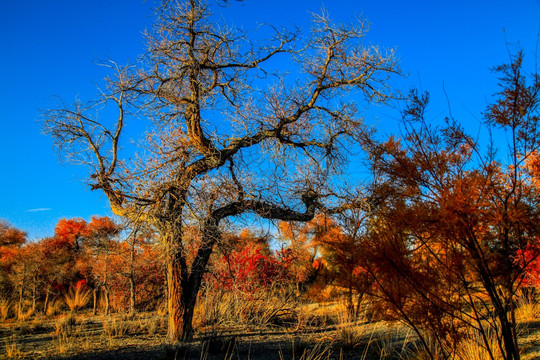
(345, 249)
(454, 218)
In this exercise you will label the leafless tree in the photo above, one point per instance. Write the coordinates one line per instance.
(227, 133)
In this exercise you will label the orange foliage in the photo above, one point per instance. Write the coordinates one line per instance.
(10, 236)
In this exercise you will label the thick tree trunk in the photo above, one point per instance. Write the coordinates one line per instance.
(183, 287)
(176, 275)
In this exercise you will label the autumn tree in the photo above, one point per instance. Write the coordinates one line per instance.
(227, 132)
(345, 248)
(60, 256)
(100, 242)
(454, 219)
(11, 239)
(138, 269)
(299, 240)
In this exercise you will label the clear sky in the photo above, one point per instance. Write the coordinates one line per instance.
(51, 48)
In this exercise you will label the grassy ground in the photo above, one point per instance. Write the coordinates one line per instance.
(321, 333)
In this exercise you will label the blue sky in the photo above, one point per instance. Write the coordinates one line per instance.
(51, 48)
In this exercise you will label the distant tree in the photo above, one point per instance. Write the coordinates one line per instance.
(299, 244)
(345, 249)
(61, 255)
(227, 132)
(11, 236)
(101, 244)
(11, 239)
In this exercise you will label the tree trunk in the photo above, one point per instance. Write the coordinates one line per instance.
(94, 295)
(176, 275)
(46, 304)
(182, 289)
(132, 277)
(107, 299)
(34, 294)
(358, 303)
(19, 307)
(131, 296)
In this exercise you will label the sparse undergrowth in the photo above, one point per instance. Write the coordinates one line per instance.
(330, 334)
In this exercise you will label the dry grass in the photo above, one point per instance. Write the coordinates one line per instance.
(69, 335)
(12, 348)
(528, 309)
(474, 348)
(24, 315)
(65, 325)
(77, 298)
(260, 309)
(319, 352)
(150, 325)
(115, 327)
(4, 310)
(345, 339)
(54, 307)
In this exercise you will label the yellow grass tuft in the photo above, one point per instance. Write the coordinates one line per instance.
(53, 308)
(12, 349)
(77, 298)
(528, 309)
(4, 309)
(474, 348)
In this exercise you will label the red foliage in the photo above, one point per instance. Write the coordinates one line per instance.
(529, 260)
(250, 269)
(80, 285)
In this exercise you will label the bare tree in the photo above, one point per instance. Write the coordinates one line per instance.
(227, 134)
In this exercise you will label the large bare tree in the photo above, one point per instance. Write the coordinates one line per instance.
(226, 132)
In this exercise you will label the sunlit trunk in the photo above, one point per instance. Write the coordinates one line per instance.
(94, 296)
(46, 304)
(183, 287)
(176, 274)
(132, 278)
(131, 296)
(107, 299)
(358, 303)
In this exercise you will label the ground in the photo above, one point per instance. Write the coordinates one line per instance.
(84, 336)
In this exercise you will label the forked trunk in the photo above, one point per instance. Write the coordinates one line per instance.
(183, 287)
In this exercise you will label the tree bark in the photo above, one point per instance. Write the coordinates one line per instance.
(131, 296)
(132, 278)
(46, 304)
(94, 295)
(176, 276)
